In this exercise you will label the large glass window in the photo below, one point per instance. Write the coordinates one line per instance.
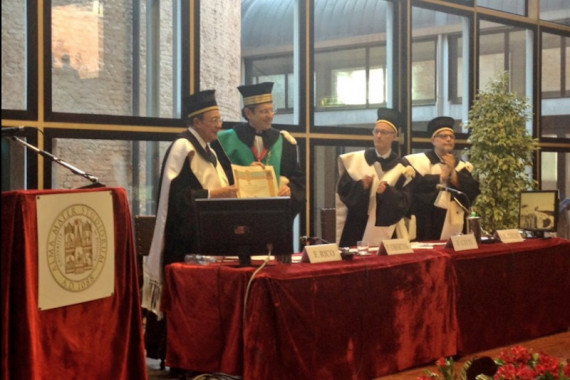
(440, 73)
(555, 11)
(423, 72)
(352, 64)
(267, 50)
(512, 6)
(506, 48)
(555, 103)
(554, 172)
(14, 58)
(131, 164)
(100, 65)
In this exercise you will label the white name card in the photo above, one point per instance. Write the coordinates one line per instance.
(463, 242)
(321, 253)
(509, 236)
(395, 247)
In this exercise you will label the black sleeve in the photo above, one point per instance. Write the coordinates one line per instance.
(424, 188)
(393, 204)
(180, 233)
(468, 185)
(353, 194)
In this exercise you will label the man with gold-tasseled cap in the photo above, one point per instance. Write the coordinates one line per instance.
(372, 195)
(190, 170)
(438, 214)
(256, 142)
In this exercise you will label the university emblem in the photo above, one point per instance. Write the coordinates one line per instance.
(77, 247)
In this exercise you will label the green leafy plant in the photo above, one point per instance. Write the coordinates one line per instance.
(501, 152)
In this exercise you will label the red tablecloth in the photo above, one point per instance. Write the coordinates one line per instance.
(368, 317)
(507, 293)
(338, 320)
(100, 339)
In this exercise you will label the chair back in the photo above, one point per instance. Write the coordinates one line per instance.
(144, 229)
(328, 224)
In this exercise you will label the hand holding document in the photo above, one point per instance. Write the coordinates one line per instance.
(392, 177)
(255, 181)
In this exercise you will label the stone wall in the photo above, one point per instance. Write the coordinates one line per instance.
(220, 52)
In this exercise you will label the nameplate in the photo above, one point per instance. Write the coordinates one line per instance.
(463, 242)
(321, 253)
(395, 247)
(509, 236)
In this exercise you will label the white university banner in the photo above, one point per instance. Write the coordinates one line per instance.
(76, 248)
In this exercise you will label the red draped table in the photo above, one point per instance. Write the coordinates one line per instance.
(368, 317)
(507, 293)
(100, 339)
(358, 319)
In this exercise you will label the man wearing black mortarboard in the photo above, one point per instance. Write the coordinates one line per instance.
(438, 216)
(190, 170)
(256, 142)
(372, 194)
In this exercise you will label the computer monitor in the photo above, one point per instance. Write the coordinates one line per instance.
(245, 227)
(538, 211)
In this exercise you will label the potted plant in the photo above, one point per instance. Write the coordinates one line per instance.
(501, 152)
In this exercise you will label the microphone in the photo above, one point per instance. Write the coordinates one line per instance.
(13, 131)
(441, 187)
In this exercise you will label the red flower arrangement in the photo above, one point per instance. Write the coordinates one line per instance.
(514, 363)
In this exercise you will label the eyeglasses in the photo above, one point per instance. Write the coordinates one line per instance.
(216, 120)
(268, 111)
(446, 136)
(382, 132)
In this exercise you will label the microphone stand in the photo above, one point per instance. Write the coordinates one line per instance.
(465, 209)
(94, 180)
(467, 212)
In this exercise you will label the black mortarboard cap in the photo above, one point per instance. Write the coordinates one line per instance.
(391, 117)
(254, 94)
(439, 124)
(200, 102)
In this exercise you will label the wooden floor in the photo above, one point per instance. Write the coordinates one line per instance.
(557, 345)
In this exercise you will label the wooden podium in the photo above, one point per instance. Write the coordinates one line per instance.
(102, 338)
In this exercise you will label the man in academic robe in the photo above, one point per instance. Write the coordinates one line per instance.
(190, 170)
(440, 213)
(372, 195)
(256, 142)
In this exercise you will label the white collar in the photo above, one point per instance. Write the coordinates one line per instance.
(383, 155)
(203, 143)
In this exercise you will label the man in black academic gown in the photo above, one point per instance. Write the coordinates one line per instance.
(256, 142)
(372, 197)
(438, 213)
(190, 170)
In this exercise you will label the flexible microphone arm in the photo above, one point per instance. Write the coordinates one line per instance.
(456, 192)
(311, 240)
(74, 170)
(461, 205)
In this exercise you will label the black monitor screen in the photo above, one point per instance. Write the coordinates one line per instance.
(538, 211)
(245, 227)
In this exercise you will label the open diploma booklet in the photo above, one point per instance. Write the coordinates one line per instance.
(255, 181)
